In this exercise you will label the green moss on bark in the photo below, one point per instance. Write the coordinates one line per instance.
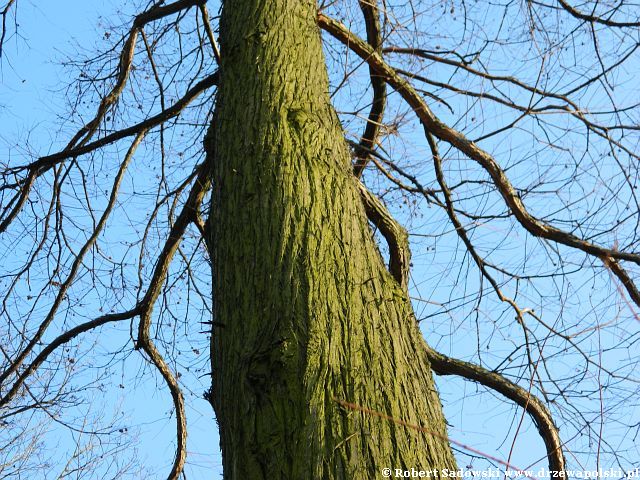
(305, 311)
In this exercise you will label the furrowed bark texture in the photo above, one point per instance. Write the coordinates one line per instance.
(305, 312)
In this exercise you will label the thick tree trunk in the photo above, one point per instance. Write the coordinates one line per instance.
(305, 311)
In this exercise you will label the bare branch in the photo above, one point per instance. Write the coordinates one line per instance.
(436, 127)
(443, 365)
(78, 144)
(595, 19)
(158, 12)
(395, 235)
(374, 38)
(15, 364)
(4, 14)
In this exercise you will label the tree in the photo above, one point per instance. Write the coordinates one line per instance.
(319, 368)
(317, 308)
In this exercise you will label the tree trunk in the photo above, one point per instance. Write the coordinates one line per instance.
(306, 314)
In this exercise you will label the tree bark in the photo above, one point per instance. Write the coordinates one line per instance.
(305, 313)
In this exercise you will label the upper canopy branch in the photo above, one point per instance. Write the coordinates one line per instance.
(79, 145)
(374, 38)
(435, 126)
(595, 18)
(3, 28)
(158, 12)
(151, 122)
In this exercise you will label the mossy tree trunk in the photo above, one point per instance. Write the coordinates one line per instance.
(305, 310)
